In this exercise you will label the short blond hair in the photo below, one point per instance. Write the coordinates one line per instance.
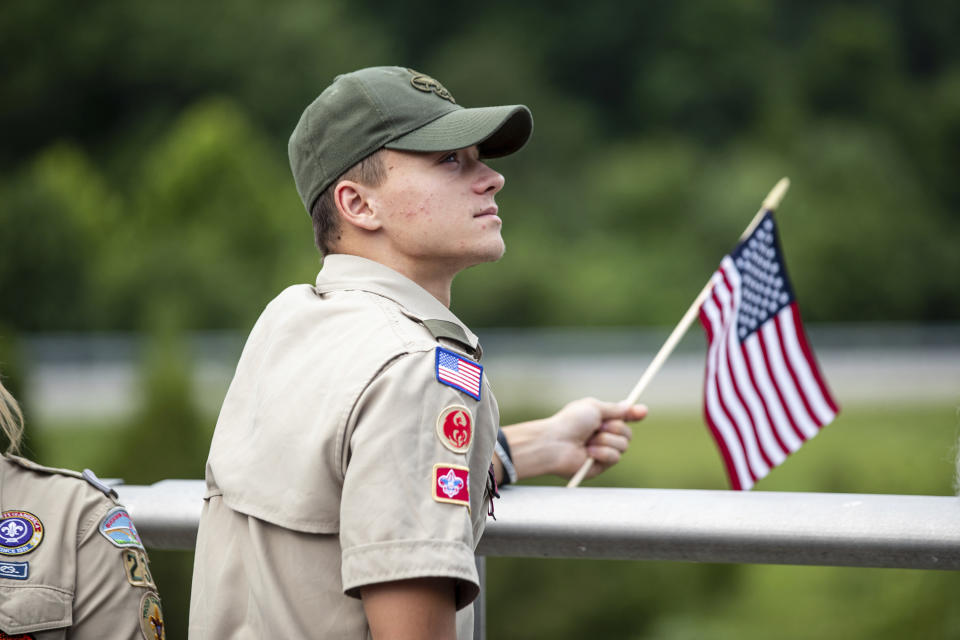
(11, 419)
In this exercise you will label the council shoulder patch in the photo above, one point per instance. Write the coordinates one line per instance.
(137, 568)
(117, 527)
(20, 532)
(151, 617)
(451, 483)
(14, 570)
(459, 372)
(25, 636)
(455, 428)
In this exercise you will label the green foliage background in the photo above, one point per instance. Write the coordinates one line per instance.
(144, 187)
(144, 163)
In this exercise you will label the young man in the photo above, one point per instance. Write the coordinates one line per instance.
(349, 475)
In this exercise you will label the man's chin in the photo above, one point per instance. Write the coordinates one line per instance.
(495, 255)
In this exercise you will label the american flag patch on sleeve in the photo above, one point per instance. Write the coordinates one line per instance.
(459, 372)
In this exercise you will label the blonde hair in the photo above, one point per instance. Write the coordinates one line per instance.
(11, 419)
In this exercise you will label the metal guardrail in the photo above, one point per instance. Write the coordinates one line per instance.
(762, 527)
(855, 530)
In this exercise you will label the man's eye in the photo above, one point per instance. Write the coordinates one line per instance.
(450, 157)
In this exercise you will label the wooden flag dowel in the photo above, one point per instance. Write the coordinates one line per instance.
(672, 341)
(770, 203)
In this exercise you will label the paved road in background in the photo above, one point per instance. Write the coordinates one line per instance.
(99, 377)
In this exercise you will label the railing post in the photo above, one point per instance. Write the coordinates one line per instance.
(480, 604)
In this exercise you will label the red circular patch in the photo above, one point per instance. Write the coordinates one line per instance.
(455, 428)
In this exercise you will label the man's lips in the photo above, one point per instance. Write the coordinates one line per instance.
(489, 211)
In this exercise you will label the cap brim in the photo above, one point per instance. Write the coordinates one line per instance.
(497, 131)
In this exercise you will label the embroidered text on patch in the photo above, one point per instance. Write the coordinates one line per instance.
(20, 532)
(459, 372)
(117, 527)
(451, 483)
(455, 428)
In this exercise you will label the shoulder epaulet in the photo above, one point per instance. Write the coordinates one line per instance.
(451, 331)
(92, 478)
(87, 475)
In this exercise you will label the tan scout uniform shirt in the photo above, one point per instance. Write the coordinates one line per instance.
(71, 562)
(339, 460)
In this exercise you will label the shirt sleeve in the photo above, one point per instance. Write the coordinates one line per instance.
(396, 521)
(115, 593)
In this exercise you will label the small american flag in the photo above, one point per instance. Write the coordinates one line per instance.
(459, 372)
(764, 395)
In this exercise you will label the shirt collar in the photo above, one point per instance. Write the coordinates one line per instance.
(343, 272)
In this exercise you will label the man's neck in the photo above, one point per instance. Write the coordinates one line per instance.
(437, 282)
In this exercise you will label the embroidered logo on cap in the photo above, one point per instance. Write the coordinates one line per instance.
(151, 617)
(14, 570)
(20, 532)
(117, 527)
(459, 372)
(451, 483)
(455, 428)
(425, 83)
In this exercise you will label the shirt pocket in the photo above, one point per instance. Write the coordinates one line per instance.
(44, 612)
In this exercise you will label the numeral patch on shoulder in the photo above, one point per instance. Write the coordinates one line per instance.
(137, 568)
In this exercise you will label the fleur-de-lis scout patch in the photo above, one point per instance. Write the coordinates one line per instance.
(20, 532)
(455, 428)
(451, 483)
(151, 617)
(459, 372)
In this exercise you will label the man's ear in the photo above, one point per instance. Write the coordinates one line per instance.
(354, 206)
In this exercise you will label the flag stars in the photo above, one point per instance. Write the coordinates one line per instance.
(762, 287)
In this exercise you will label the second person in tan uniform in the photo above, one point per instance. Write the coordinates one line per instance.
(71, 561)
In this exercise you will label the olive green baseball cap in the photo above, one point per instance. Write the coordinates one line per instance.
(396, 108)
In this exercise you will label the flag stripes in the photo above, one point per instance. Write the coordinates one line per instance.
(763, 393)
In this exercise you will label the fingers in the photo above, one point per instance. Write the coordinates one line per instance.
(603, 457)
(635, 412)
(619, 410)
(605, 439)
(616, 427)
(609, 443)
